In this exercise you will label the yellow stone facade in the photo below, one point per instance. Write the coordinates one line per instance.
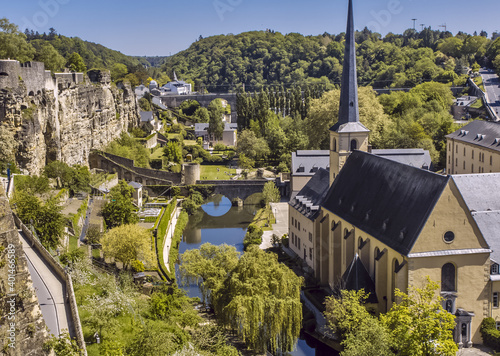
(466, 158)
(341, 145)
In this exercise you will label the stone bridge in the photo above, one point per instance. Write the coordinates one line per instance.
(236, 189)
(173, 101)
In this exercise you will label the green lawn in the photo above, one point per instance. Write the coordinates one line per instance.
(216, 172)
(157, 154)
(73, 243)
(478, 104)
(190, 142)
(479, 81)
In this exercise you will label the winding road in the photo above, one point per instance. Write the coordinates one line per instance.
(50, 291)
(492, 86)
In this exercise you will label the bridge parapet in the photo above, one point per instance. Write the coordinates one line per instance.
(234, 189)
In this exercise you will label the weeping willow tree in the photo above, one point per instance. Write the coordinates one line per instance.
(257, 296)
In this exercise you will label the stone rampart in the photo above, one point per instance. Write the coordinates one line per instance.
(126, 170)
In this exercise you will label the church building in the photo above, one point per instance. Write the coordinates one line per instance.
(374, 223)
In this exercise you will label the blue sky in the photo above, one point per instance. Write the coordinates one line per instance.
(163, 27)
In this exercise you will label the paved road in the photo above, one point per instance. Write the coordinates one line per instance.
(280, 210)
(50, 291)
(492, 87)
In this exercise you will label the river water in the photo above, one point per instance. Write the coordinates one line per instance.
(217, 222)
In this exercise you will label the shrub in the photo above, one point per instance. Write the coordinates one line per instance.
(253, 236)
(490, 334)
(137, 266)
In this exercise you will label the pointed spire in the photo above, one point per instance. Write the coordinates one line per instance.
(175, 76)
(349, 111)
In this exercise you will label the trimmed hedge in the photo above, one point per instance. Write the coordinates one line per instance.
(490, 334)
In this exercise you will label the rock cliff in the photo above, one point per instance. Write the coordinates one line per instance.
(65, 118)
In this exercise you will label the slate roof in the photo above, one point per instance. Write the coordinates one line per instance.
(146, 116)
(415, 157)
(388, 200)
(308, 200)
(481, 194)
(135, 185)
(307, 163)
(349, 127)
(204, 127)
(481, 133)
(356, 277)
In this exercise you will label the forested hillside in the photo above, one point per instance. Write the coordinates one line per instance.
(271, 58)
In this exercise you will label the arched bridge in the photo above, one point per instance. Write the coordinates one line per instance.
(234, 189)
(204, 100)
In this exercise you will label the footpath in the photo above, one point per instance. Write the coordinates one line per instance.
(168, 238)
(280, 211)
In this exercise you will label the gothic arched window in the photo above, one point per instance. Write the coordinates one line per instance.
(448, 278)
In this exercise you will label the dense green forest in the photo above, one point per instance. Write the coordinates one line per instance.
(224, 62)
(259, 58)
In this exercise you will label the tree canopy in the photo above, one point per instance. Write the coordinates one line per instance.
(120, 209)
(255, 295)
(127, 243)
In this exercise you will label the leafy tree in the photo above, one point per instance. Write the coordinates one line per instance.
(132, 79)
(419, 325)
(202, 115)
(156, 339)
(47, 54)
(144, 104)
(360, 332)
(75, 63)
(33, 184)
(120, 209)
(271, 193)
(127, 243)
(93, 235)
(46, 217)
(256, 295)
(215, 123)
(324, 114)
(76, 178)
(62, 345)
(253, 236)
(118, 71)
(128, 147)
(251, 146)
(245, 162)
(172, 152)
(13, 43)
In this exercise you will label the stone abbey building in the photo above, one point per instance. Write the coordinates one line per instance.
(395, 224)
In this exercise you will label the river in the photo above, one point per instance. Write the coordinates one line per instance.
(217, 222)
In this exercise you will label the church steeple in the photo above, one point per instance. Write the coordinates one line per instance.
(348, 134)
(349, 111)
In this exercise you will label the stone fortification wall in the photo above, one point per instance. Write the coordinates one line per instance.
(66, 118)
(126, 170)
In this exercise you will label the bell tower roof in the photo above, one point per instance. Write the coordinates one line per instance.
(349, 111)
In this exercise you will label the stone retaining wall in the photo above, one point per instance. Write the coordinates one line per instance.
(59, 269)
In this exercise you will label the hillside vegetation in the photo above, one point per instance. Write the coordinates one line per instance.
(270, 58)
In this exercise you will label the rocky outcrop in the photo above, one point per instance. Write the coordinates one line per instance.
(67, 119)
(22, 328)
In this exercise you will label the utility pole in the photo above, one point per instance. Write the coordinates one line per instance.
(444, 26)
(422, 26)
(414, 23)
